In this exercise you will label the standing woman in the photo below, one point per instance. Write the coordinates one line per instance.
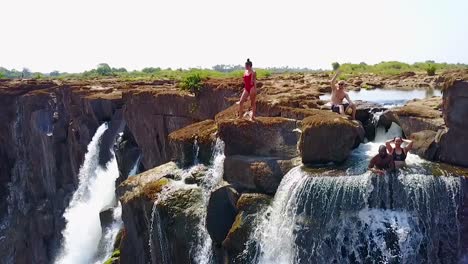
(250, 90)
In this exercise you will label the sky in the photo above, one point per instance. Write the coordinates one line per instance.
(73, 36)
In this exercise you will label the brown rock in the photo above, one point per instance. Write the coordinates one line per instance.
(182, 142)
(418, 115)
(261, 174)
(424, 144)
(221, 213)
(357, 82)
(250, 207)
(329, 138)
(454, 141)
(271, 137)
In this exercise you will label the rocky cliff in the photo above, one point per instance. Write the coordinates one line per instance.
(47, 125)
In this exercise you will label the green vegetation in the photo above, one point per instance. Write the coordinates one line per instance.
(115, 257)
(192, 83)
(431, 69)
(348, 70)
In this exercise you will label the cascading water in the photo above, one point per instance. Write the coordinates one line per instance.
(201, 251)
(357, 217)
(96, 191)
(110, 233)
(196, 151)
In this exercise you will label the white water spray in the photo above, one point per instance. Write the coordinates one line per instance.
(358, 217)
(96, 190)
(203, 253)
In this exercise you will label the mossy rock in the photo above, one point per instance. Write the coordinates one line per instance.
(180, 215)
(115, 258)
(253, 202)
(118, 238)
(237, 243)
(133, 185)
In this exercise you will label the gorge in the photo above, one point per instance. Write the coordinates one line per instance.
(291, 187)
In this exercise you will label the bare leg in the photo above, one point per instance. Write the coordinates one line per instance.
(243, 98)
(253, 102)
(354, 111)
(342, 112)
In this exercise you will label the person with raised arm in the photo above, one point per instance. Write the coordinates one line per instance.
(338, 93)
(398, 152)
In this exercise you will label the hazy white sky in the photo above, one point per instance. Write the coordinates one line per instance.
(72, 35)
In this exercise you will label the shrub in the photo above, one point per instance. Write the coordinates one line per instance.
(335, 65)
(2, 75)
(192, 83)
(431, 69)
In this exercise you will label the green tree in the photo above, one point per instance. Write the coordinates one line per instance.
(54, 74)
(104, 69)
(335, 65)
(2, 75)
(26, 73)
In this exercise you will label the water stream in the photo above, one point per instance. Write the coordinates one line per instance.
(348, 215)
(96, 191)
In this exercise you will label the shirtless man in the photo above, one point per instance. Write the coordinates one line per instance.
(382, 162)
(338, 94)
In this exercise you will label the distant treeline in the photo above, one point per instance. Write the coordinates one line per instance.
(223, 70)
(396, 67)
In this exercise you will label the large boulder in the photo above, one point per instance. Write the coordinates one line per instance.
(250, 207)
(221, 212)
(161, 216)
(267, 136)
(454, 141)
(416, 115)
(329, 137)
(365, 113)
(193, 143)
(455, 105)
(253, 173)
(424, 144)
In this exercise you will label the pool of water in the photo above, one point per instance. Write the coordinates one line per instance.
(388, 98)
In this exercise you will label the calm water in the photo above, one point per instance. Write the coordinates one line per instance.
(388, 98)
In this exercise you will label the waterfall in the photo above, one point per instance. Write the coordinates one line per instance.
(109, 235)
(96, 191)
(196, 151)
(357, 217)
(200, 251)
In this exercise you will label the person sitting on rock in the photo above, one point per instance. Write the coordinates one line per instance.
(337, 95)
(250, 90)
(382, 162)
(399, 153)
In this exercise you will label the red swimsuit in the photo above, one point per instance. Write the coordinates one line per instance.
(248, 82)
